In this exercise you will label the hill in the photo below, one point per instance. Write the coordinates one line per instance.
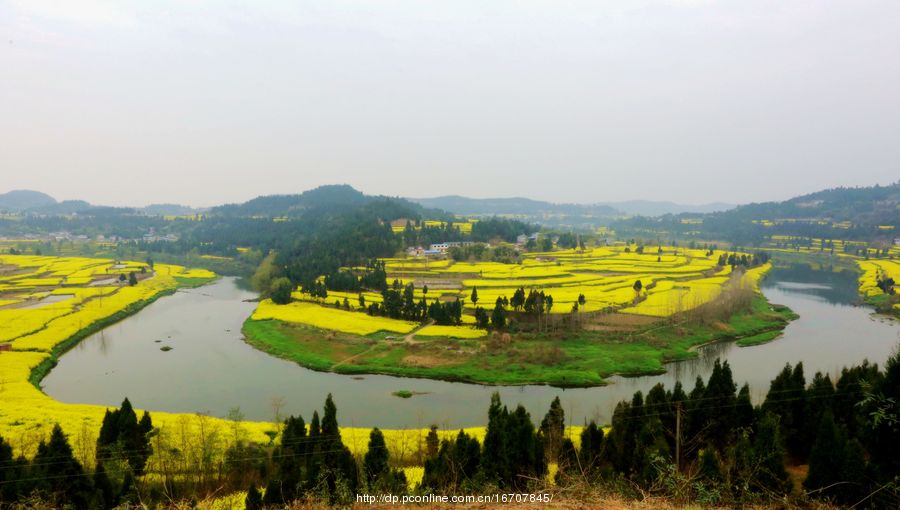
(20, 200)
(863, 213)
(332, 197)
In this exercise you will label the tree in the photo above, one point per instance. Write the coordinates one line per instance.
(123, 437)
(710, 466)
(553, 427)
(482, 319)
(254, 500)
(498, 317)
(768, 457)
(637, 286)
(265, 273)
(375, 462)
(59, 474)
(474, 296)
(11, 470)
(512, 451)
(591, 447)
(280, 290)
(104, 494)
(432, 443)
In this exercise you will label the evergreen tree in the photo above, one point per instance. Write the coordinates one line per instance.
(710, 469)
(553, 428)
(11, 470)
(498, 317)
(254, 500)
(432, 443)
(60, 474)
(122, 436)
(375, 462)
(591, 447)
(768, 455)
(105, 494)
(455, 462)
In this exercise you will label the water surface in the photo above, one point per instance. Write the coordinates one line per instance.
(211, 369)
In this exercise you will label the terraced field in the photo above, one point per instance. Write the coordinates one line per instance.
(616, 327)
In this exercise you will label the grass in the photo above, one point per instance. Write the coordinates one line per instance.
(571, 359)
(762, 338)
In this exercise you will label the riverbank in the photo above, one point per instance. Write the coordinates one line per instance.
(564, 359)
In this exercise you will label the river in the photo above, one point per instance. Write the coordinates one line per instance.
(210, 369)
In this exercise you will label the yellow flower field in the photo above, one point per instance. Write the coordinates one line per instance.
(324, 317)
(451, 332)
(871, 269)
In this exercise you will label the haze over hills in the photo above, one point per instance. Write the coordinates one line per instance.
(863, 207)
(23, 199)
(36, 202)
(526, 206)
(659, 208)
(841, 213)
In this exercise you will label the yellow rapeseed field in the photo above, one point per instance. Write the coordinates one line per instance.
(451, 332)
(325, 317)
(871, 270)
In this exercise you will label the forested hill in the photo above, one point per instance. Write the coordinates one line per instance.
(334, 198)
(20, 200)
(865, 213)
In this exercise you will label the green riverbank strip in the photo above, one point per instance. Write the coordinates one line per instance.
(566, 359)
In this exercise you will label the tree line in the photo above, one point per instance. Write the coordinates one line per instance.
(710, 445)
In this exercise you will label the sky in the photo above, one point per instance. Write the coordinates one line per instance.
(205, 102)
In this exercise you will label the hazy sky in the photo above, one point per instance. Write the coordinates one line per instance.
(202, 102)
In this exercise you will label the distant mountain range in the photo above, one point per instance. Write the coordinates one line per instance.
(35, 202)
(840, 213)
(655, 208)
(528, 207)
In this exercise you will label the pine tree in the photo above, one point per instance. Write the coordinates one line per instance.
(375, 462)
(591, 447)
(710, 468)
(827, 459)
(11, 470)
(432, 443)
(329, 419)
(254, 500)
(553, 428)
(768, 455)
(105, 496)
(59, 472)
(498, 317)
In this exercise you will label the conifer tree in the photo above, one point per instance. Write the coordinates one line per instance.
(254, 500)
(375, 462)
(553, 428)
(60, 474)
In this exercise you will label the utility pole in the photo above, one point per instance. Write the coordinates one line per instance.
(678, 436)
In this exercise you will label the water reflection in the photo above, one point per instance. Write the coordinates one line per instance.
(211, 369)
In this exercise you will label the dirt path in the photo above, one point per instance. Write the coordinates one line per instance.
(408, 339)
(351, 358)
